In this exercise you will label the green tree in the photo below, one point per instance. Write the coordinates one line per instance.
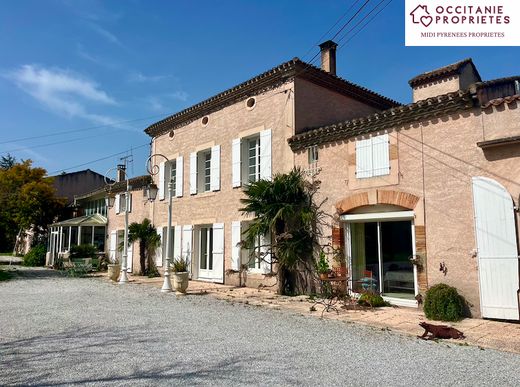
(149, 241)
(7, 162)
(284, 208)
(27, 201)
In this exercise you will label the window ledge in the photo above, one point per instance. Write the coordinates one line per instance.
(498, 142)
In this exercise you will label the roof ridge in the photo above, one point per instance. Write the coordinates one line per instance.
(446, 70)
(286, 70)
(351, 127)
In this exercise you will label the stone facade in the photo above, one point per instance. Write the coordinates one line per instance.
(431, 172)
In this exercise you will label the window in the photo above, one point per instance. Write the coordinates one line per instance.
(122, 202)
(312, 155)
(253, 159)
(205, 170)
(372, 157)
(173, 175)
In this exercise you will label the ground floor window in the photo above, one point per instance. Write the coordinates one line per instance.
(380, 257)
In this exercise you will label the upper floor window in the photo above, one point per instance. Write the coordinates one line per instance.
(205, 170)
(251, 158)
(120, 203)
(171, 171)
(372, 157)
(312, 155)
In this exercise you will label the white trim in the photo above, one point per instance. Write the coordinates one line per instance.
(379, 216)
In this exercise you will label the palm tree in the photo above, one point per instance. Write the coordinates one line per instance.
(284, 209)
(149, 241)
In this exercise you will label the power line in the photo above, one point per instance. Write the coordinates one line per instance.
(100, 159)
(331, 28)
(82, 129)
(361, 21)
(368, 22)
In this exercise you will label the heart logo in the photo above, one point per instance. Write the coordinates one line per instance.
(426, 20)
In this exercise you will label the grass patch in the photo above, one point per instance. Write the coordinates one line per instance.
(5, 275)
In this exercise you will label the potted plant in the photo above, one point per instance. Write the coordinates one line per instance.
(322, 266)
(180, 275)
(114, 270)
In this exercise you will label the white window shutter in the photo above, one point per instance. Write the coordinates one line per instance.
(177, 242)
(215, 168)
(187, 237)
(129, 257)
(218, 251)
(236, 237)
(364, 158)
(380, 155)
(265, 248)
(193, 173)
(179, 170)
(161, 181)
(265, 154)
(117, 203)
(159, 250)
(129, 202)
(235, 162)
(113, 246)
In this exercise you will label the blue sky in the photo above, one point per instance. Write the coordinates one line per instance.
(107, 69)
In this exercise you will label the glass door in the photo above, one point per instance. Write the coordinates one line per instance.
(205, 252)
(380, 253)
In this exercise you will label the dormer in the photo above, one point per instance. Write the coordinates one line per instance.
(447, 79)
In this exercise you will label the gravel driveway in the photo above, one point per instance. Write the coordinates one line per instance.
(56, 330)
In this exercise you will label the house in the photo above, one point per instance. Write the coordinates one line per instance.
(84, 219)
(138, 210)
(428, 193)
(240, 135)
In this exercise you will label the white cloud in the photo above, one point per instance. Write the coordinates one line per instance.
(179, 95)
(140, 77)
(62, 92)
(109, 36)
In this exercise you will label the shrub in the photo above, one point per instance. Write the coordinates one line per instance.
(443, 302)
(180, 265)
(79, 270)
(83, 251)
(372, 299)
(35, 256)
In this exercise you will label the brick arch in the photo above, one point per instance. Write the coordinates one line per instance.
(374, 197)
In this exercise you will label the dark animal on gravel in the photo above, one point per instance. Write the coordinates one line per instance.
(440, 332)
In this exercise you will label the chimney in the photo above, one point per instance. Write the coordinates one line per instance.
(328, 56)
(121, 175)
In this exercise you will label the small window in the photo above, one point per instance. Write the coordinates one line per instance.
(205, 120)
(312, 154)
(250, 103)
(204, 171)
(171, 134)
(253, 159)
(372, 157)
(173, 170)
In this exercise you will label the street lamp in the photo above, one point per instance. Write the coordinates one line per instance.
(151, 192)
(110, 200)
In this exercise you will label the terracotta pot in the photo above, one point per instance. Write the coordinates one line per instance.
(114, 270)
(180, 282)
(324, 276)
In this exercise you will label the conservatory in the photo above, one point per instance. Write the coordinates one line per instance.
(88, 229)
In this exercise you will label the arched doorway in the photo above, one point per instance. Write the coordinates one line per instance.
(380, 243)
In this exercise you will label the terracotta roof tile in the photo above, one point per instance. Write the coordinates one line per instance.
(442, 72)
(266, 81)
(501, 101)
(435, 106)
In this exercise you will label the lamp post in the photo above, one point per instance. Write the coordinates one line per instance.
(153, 169)
(110, 201)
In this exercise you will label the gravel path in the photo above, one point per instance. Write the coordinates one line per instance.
(63, 331)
